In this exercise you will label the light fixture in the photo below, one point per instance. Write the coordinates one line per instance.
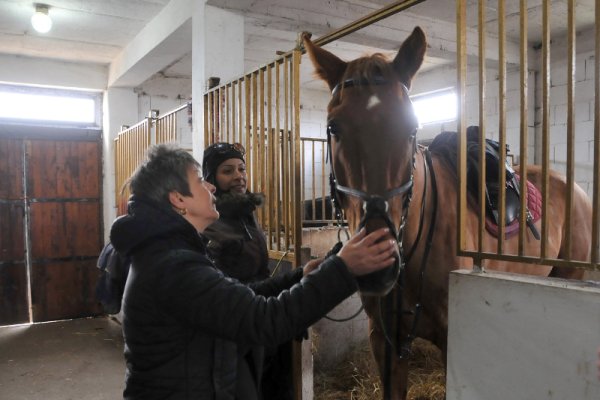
(40, 20)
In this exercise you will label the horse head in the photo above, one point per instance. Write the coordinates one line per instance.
(371, 132)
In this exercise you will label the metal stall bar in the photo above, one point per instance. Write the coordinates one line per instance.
(570, 125)
(254, 178)
(296, 177)
(166, 125)
(285, 155)
(461, 68)
(482, 128)
(524, 131)
(277, 156)
(270, 204)
(501, 124)
(596, 190)
(262, 140)
(545, 123)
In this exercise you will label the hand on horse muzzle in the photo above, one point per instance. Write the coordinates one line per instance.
(376, 217)
(367, 253)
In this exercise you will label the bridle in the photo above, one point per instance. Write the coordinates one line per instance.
(377, 206)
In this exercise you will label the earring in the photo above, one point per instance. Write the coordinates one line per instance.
(181, 211)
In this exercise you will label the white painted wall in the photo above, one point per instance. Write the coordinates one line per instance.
(44, 72)
(522, 338)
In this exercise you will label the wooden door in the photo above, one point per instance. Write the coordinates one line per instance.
(64, 196)
(14, 303)
(55, 199)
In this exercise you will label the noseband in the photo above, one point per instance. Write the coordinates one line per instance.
(378, 283)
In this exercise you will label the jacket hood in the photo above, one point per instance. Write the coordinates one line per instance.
(233, 205)
(146, 221)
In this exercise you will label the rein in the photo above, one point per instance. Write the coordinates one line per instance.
(378, 205)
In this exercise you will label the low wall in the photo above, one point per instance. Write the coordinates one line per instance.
(520, 337)
(332, 340)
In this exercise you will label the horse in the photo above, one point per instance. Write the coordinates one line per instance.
(381, 177)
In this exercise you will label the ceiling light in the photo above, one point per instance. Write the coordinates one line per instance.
(41, 21)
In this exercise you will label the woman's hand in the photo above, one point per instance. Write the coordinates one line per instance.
(363, 255)
(312, 265)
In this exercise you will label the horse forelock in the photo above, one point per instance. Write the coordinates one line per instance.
(370, 69)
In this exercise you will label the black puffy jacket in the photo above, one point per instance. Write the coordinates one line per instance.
(187, 327)
(236, 242)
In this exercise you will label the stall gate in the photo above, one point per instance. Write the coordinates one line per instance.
(131, 144)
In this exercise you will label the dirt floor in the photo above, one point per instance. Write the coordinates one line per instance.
(66, 360)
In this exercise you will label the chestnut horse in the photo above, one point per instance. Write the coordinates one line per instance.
(380, 177)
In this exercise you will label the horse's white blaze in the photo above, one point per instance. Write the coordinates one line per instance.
(373, 101)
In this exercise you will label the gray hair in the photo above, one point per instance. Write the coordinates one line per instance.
(164, 170)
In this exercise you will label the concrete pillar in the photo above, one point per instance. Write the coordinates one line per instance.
(120, 107)
(217, 50)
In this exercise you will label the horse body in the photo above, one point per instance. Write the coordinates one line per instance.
(371, 132)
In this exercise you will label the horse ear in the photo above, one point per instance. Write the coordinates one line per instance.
(410, 56)
(327, 66)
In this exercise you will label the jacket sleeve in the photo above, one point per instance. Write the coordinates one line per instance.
(201, 296)
(274, 285)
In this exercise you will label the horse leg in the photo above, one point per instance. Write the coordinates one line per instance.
(398, 368)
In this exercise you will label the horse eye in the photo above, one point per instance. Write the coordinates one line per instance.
(333, 129)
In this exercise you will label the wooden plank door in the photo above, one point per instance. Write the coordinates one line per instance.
(65, 227)
(14, 292)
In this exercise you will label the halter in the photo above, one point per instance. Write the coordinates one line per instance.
(378, 206)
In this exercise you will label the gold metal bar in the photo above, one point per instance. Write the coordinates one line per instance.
(482, 129)
(501, 124)
(248, 136)
(262, 143)
(233, 114)
(207, 141)
(303, 172)
(286, 154)
(461, 67)
(570, 126)
(219, 114)
(378, 15)
(228, 90)
(545, 122)
(534, 260)
(323, 213)
(596, 189)
(240, 112)
(313, 181)
(277, 149)
(270, 163)
(297, 217)
(255, 150)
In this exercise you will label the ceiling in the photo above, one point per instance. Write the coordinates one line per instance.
(96, 31)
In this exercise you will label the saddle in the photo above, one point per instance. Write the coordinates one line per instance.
(445, 145)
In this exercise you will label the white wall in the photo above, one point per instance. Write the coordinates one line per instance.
(522, 338)
(44, 72)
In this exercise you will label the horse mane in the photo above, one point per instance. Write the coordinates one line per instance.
(369, 69)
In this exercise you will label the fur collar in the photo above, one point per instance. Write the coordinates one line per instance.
(238, 205)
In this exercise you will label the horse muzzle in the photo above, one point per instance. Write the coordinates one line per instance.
(376, 216)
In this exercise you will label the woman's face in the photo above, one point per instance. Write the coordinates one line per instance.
(231, 176)
(200, 206)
